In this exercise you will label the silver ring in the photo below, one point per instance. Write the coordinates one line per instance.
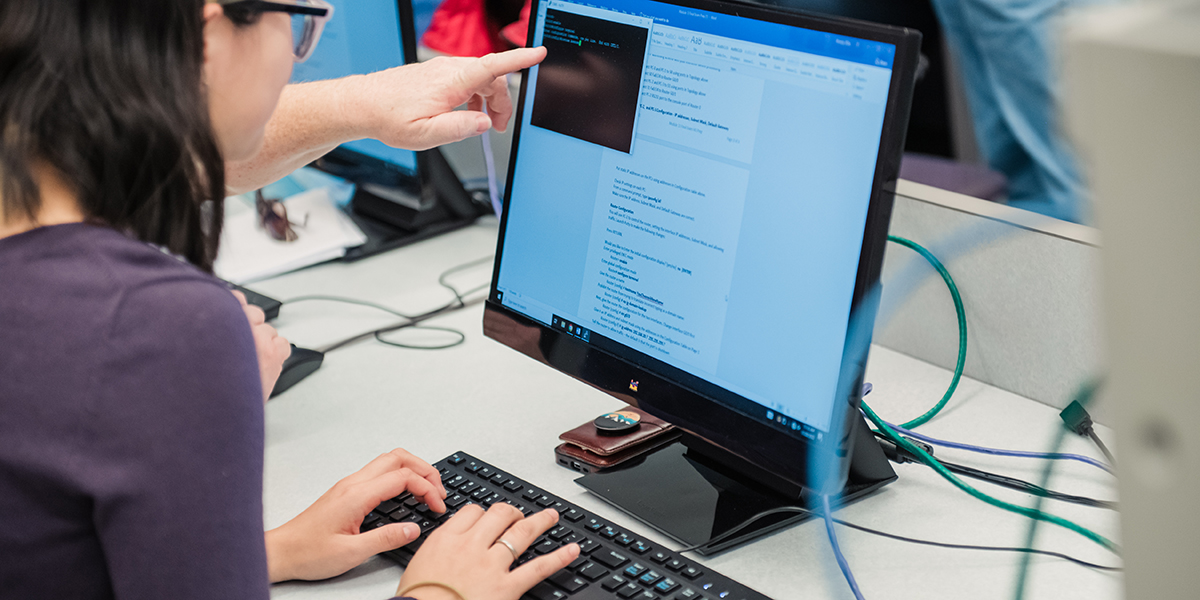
(515, 554)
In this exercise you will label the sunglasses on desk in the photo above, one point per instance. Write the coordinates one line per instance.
(308, 19)
(273, 217)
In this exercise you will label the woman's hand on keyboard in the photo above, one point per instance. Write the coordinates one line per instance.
(324, 540)
(464, 553)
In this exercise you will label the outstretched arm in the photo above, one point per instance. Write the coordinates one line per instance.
(411, 107)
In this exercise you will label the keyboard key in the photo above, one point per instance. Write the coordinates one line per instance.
(613, 582)
(412, 502)
(594, 525)
(454, 482)
(387, 506)
(545, 591)
(560, 532)
(456, 501)
(649, 577)
(635, 569)
(512, 485)
(609, 558)
(593, 571)
(660, 557)
(572, 515)
(421, 508)
(530, 494)
(646, 596)
(470, 487)
(481, 493)
(629, 591)
(586, 546)
(624, 539)
(544, 501)
(567, 581)
(545, 547)
(454, 459)
(400, 514)
(666, 586)
(640, 547)
(379, 523)
(572, 539)
(609, 532)
(691, 572)
(688, 594)
(579, 560)
(676, 564)
(560, 508)
(498, 478)
(485, 472)
(371, 519)
(473, 466)
(494, 498)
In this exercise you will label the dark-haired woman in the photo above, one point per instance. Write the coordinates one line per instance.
(131, 381)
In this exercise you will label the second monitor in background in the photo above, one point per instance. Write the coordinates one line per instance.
(403, 195)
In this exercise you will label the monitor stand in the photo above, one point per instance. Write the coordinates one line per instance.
(392, 217)
(683, 492)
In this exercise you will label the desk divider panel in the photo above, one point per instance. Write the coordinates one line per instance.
(1029, 285)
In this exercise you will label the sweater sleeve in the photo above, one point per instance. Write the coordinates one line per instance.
(176, 424)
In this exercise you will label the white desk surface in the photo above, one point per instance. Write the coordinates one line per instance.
(490, 401)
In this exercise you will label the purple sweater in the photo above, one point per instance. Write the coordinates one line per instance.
(131, 425)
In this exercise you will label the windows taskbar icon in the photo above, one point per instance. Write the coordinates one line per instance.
(561, 324)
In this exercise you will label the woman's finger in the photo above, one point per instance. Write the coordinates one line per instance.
(463, 520)
(494, 522)
(529, 574)
(398, 459)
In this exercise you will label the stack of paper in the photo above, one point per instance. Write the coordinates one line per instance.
(248, 253)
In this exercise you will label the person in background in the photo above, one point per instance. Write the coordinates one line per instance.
(1008, 53)
(132, 382)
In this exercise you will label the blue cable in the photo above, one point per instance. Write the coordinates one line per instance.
(998, 452)
(837, 550)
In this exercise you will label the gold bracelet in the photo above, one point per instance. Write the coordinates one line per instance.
(405, 591)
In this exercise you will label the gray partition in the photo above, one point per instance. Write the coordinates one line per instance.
(1029, 286)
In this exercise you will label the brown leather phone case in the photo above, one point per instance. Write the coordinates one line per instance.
(586, 445)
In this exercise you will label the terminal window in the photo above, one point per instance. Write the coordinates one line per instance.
(588, 85)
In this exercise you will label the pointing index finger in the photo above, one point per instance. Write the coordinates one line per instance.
(511, 61)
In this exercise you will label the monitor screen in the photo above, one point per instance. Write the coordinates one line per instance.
(689, 193)
(364, 36)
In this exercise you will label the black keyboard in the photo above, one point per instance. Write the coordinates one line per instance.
(613, 562)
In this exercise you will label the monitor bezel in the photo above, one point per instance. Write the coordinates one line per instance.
(779, 452)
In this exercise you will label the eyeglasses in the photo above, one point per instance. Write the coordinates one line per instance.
(273, 217)
(308, 20)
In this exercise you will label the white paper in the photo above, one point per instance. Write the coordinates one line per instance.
(248, 253)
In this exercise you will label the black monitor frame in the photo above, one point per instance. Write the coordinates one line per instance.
(392, 206)
(781, 459)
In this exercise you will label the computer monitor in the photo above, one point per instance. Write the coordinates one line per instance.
(695, 220)
(414, 191)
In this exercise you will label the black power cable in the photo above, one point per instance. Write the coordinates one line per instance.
(893, 536)
(410, 321)
(900, 456)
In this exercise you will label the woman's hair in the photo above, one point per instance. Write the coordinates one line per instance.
(109, 93)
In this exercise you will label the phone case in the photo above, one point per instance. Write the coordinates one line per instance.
(587, 438)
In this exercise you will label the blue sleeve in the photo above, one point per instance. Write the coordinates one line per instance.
(177, 427)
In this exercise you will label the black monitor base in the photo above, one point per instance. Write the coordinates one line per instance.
(693, 498)
(382, 236)
(395, 216)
